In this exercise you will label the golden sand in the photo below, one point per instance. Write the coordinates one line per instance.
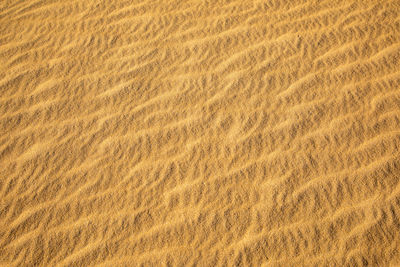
(199, 133)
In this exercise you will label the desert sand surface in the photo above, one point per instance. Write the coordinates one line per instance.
(199, 133)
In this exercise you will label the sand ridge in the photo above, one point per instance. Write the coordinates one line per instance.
(199, 133)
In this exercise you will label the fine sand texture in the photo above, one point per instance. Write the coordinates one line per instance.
(199, 133)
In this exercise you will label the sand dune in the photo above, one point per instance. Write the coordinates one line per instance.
(199, 133)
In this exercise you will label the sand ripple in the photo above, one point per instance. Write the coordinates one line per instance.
(199, 133)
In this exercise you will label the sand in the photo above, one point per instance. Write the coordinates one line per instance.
(199, 133)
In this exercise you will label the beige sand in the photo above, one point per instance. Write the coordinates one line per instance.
(199, 133)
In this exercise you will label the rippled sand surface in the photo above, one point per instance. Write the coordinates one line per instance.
(199, 133)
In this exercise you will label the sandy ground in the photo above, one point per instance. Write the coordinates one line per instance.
(199, 133)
